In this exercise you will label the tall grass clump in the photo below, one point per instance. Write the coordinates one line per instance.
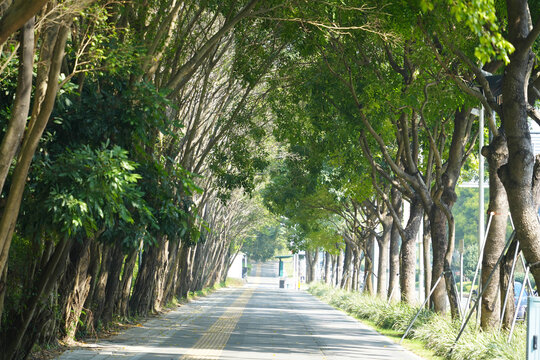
(436, 331)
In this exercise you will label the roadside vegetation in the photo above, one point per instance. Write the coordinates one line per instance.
(435, 331)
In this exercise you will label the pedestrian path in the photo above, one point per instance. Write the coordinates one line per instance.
(257, 321)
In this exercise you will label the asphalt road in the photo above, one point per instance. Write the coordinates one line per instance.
(257, 321)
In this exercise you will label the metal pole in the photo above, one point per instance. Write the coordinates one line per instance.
(481, 178)
(482, 293)
(421, 308)
(461, 270)
(519, 300)
(527, 278)
(479, 264)
(509, 287)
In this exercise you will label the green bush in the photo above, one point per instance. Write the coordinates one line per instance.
(436, 331)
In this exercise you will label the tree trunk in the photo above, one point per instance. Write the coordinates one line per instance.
(426, 244)
(346, 278)
(384, 253)
(30, 143)
(437, 220)
(75, 286)
(141, 301)
(393, 281)
(408, 252)
(43, 286)
(368, 268)
(113, 283)
(517, 175)
(507, 284)
(98, 297)
(497, 155)
(127, 279)
(21, 106)
(327, 267)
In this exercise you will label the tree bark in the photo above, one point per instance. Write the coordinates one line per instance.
(408, 252)
(393, 281)
(127, 279)
(17, 15)
(368, 267)
(497, 155)
(30, 143)
(21, 106)
(384, 253)
(346, 278)
(517, 175)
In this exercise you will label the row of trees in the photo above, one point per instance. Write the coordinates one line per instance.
(132, 132)
(377, 109)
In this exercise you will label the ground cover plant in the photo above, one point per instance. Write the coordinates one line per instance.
(436, 331)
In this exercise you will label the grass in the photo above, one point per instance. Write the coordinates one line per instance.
(431, 331)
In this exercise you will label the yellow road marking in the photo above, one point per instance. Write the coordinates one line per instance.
(212, 343)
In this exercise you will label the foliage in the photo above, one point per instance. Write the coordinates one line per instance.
(84, 190)
(263, 244)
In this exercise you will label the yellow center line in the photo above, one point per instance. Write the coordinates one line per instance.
(214, 340)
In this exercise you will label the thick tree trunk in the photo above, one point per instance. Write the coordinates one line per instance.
(437, 220)
(172, 271)
(43, 286)
(497, 155)
(113, 283)
(408, 252)
(311, 261)
(517, 175)
(98, 297)
(75, 286)
(141, 301)
(346, 278)
(127, 279)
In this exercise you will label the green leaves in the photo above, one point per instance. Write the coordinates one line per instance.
(481, 18)
(91, 189)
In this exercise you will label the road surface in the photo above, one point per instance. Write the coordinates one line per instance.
(258, 321)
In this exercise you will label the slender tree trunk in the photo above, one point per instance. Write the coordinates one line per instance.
(21, 106)
(384, 253)
(497, 155)
(426, 245)
(30, 143)
(327, 267)
(393, 281)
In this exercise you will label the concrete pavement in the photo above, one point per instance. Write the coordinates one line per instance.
(258, 321)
